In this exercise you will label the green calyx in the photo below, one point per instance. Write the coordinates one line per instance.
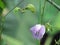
(48, 27)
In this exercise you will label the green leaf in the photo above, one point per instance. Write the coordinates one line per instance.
(2, 4)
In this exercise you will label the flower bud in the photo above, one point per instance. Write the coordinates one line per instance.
(30, 7)
(48, 27)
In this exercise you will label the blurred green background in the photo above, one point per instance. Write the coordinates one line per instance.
(17, 25)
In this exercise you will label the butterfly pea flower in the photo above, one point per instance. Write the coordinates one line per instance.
(38, 31)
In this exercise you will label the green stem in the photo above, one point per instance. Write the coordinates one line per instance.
(42, 12)
(39, 13)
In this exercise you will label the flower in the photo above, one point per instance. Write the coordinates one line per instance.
(38, 31)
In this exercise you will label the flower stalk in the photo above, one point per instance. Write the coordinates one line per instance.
(42, 12)
(39, 13)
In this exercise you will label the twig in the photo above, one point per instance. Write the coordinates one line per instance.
(54, 4)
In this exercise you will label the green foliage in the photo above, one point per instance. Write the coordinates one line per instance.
(2, 4)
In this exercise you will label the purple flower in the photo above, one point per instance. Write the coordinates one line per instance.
(38, 31)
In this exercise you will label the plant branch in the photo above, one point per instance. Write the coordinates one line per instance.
(54, 4)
